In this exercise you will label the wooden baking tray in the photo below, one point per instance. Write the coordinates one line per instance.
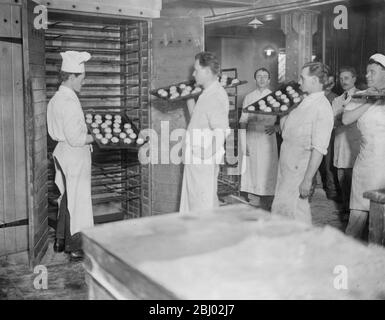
(369, 96)
(291, 104)
(191, 84)
(133, 146)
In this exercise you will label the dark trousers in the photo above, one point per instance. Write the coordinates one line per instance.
(358, 226)
(345, 182)
(329, 172)
(63, 231)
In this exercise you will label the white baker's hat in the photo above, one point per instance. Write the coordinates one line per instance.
(73, 61)
(379, 58)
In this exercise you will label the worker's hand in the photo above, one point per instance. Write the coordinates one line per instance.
(338, 121)
(271, 129)
(371, 90)
(304, 188)
(89, 139)
(190, 102)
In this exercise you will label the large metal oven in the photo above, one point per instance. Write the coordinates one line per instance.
(117, 79)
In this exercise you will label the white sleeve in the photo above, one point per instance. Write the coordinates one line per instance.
(322, 128)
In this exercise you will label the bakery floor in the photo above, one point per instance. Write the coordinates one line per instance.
(66, 279)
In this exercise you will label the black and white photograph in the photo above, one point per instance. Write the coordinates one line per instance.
(196, 150)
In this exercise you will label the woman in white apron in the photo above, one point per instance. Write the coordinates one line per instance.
(260, 152)
(369, 168)
(306, 134)
(66, 124)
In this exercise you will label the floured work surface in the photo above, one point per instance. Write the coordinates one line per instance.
(234, 252)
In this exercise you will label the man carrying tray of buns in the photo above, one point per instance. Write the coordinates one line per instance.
(72, 156)
(306, 134)
(205, 136)
(369, 168)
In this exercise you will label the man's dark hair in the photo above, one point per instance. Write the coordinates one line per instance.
(320, 70)
(352, 70)
(372, 61)
(208, 59)
(261, 69)
(64, 76)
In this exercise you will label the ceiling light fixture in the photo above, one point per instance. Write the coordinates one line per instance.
(269, 51)
(255, 23)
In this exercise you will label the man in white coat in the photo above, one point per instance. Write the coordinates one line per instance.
(209, 123)
(306, 134)
(259, 145)
(72, 155)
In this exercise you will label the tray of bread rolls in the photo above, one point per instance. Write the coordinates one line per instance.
(189, 89)
(279, 102)
(113, 130)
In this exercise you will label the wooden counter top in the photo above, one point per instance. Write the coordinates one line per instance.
(234, 252)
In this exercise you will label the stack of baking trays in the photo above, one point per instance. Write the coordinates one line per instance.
(113, 130)
(189, 89)
(279, 102)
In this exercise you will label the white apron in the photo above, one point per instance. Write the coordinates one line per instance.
(306, 128)
(369, 168)
(259, 169)
(66, 125)
(347, 138)
(200, 180)
(199, 187)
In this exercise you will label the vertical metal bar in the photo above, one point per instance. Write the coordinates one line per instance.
(230, 184)
(234, 179)
(140, 101)
(148, 99)
(324, 38)
(123, 79)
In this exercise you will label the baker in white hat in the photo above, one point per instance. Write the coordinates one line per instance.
(369, 169)
(72, 156)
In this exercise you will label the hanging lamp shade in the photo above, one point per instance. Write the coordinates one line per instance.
(255, 23)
